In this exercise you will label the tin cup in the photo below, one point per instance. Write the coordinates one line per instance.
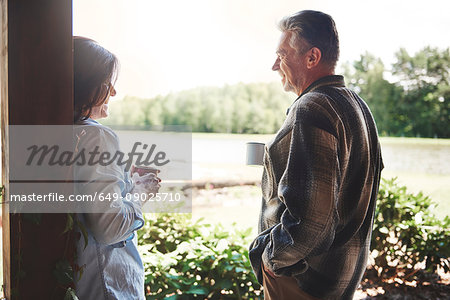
(255, 154)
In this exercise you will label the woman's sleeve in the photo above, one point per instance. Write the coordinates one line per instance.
(109, 217)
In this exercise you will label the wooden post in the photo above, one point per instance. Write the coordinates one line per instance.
(40, 92)
(4, 145)
(40, 62)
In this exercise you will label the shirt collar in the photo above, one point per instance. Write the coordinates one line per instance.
(87, 121)
(330, 80)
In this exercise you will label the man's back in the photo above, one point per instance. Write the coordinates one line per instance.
(319, 186)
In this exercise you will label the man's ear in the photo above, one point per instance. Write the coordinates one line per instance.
(313, 57)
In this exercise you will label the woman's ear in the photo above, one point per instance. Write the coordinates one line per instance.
(313, 57)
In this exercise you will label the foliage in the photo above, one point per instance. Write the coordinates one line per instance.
(367, 78)
(406, 233)
(62, 271)
(425, 78)
(185, 260)
(240, 108)
(70, 294)
(416, 102)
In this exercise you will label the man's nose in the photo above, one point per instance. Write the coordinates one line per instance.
(113, 91)
(276, 65)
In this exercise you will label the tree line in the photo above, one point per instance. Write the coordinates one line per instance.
(412, 98)
(239, 108)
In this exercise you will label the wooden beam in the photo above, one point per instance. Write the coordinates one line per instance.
(4, 145)
(40, 62)
(40, 92)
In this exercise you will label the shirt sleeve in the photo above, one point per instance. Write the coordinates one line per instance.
(309, 189)
(109, 221)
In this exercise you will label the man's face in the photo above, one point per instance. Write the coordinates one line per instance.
(290, 65)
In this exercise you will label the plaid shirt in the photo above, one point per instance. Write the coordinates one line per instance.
(320, 182)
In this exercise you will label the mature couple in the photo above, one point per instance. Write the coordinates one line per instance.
(321, 177)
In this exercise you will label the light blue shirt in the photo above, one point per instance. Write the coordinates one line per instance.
(112, 266)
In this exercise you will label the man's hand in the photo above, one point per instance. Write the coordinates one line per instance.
(270, 273)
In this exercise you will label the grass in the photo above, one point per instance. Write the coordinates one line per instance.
(267, 137)
(414, 141)
(233, 136)
(228, 206)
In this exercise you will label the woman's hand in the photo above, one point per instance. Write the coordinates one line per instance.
(148, 183)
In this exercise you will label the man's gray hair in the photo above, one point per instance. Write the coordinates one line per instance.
(317, 29)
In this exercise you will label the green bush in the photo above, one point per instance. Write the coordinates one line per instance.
(406, 232)
(185, 260)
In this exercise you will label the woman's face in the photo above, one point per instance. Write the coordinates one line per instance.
(101, 111)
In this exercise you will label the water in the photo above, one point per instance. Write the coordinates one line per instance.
(417, 158)
(397, 157)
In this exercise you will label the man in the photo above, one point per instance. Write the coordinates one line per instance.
(321, 175)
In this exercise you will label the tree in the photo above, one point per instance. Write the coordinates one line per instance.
(367, 78)
(425, 81)
(417, 102)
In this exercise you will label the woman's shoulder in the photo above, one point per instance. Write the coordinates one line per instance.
(91, 130)
(94, 127)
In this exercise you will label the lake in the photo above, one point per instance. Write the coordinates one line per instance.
(420, 164)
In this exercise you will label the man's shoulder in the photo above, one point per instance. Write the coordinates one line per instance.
(312, 102)
(316, 96)
(338, 99)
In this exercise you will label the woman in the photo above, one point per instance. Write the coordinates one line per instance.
(110, 262)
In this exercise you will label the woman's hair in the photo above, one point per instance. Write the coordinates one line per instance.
(94, 70)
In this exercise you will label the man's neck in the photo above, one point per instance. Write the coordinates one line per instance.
(314, 76)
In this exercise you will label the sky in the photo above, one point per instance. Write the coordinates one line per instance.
(172, 45)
